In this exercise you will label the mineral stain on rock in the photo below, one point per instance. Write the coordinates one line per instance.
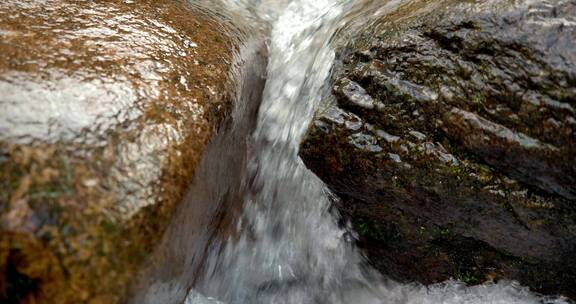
(106, 107)
(451, 142)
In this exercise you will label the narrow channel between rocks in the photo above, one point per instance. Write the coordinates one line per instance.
(257, 225)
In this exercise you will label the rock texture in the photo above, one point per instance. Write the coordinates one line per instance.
(106, 108)
(452, 142)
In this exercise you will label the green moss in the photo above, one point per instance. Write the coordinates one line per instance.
(445, 231)
(469, 277)
(478, 101)
(44, 194)
(9, 180)
(67, 182)
(375, 232)
(396, 182)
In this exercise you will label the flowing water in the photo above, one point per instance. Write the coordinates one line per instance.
(287, 245)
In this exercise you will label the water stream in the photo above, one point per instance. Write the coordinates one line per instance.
(287, 245)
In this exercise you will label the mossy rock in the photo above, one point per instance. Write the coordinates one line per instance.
(451, 142)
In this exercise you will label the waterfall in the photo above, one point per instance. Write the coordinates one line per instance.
(288, 246)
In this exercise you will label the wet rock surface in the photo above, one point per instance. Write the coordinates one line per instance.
(106, 108)
(451, 142)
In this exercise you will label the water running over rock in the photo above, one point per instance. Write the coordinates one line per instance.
(287, 245)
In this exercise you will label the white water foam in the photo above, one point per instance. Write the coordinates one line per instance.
(290, 248)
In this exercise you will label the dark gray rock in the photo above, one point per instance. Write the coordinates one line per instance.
(467, 168)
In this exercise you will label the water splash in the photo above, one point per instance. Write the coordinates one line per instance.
(289, 247)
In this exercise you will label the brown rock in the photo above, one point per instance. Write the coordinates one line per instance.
(107, 107)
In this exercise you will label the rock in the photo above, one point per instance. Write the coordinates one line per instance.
(467, 169)
(106, 109)
(353, 95)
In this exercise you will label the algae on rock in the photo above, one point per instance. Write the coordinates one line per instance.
(451, 143)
